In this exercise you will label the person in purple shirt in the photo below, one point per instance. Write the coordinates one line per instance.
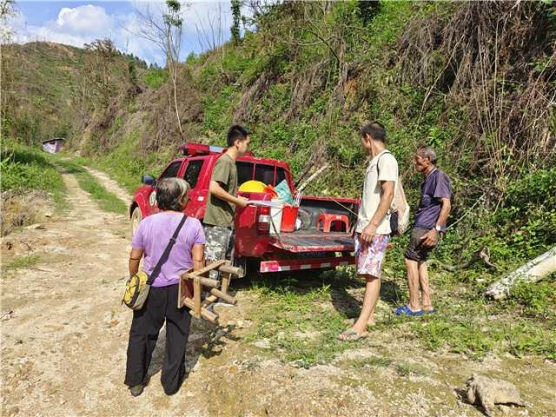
(150, 240)
(430, 221)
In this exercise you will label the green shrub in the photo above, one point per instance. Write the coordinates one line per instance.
(234, 64)
(536, 300)
(528, 214)
(155, 78)
(24, 168)
(208, 77)
(218, 112)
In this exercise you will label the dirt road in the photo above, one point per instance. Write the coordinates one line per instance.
(64, 338)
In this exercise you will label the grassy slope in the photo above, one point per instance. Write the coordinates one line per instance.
(25, 168)
(46, 76)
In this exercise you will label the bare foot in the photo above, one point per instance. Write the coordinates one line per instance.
(370, 323)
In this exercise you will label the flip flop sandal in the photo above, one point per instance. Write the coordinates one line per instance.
(405, 310)
(429, 311)
(351, 336)
(401, 310)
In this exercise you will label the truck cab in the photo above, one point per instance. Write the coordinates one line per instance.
(312, 246)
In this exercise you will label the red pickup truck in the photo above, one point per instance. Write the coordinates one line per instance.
(311, 246)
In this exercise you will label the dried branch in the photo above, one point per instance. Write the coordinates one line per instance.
(482, 254)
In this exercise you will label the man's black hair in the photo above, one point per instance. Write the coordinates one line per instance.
(375, 130)
(237, 132)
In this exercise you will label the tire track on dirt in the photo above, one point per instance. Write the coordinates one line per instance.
(110, 185)
(64, 347)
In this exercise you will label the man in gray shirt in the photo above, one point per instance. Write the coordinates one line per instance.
(430, 221)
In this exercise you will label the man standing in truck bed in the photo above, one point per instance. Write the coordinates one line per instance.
(223, 199)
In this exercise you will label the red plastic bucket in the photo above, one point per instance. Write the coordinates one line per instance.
(289, 216)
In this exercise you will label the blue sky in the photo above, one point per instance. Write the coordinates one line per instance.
(79, 22)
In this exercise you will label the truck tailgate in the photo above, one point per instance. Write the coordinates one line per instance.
(318, 242)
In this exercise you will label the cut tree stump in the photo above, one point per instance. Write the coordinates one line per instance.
(192, 289)
(532, 271)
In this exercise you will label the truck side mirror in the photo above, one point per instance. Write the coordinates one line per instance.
(147, 180)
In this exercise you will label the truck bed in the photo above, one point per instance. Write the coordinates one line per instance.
(309, 238)
(313, 241)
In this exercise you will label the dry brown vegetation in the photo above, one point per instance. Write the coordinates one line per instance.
(498, 63)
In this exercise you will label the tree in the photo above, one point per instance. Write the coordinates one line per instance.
(259, 8)
(164, 27)
(7, 11)
(236, 15)
(100, 87)
(210, 32)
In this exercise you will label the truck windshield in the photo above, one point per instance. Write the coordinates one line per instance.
(264, 173)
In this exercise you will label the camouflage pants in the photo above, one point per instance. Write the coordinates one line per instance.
(219, 245)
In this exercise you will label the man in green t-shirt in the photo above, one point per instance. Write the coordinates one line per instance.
(223, 199)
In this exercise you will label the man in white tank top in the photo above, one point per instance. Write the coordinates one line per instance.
(373, 225)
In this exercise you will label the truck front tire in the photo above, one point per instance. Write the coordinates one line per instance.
(136, 218)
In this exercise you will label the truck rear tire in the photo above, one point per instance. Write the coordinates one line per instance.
(136, 218)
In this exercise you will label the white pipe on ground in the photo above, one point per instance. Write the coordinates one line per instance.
(532, 271)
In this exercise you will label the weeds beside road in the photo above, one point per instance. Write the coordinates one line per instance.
(299, 319)
(32, 186)
(25, 168)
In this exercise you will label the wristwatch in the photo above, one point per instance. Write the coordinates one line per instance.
(438, 228)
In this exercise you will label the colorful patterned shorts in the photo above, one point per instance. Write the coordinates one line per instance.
(369, 256)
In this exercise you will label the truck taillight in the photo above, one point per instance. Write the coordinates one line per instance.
(263, 219)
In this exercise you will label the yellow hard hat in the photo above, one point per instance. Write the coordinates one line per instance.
(253, 187)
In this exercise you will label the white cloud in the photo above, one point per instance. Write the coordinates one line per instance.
(87, 19)
(76, 27)
(206, 23)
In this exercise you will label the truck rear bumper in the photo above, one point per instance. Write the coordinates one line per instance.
(301, 264)
(298, 243)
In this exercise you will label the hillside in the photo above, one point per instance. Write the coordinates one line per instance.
(53, 90)
(450, 75)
